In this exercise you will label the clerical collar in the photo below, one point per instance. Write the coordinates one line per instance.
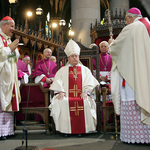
(137, 19)
(46, 59)
(104, 54)
(76, 65)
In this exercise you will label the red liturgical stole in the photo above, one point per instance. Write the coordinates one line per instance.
(146, 24)
(14, 101)
(4, 41)
(76, 104)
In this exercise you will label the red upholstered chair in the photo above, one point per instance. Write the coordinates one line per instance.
(37, 104)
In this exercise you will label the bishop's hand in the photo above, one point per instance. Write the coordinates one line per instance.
(48, 81)
(110, 41)
(104, 79)
(83, 96)
(14, 45)
(61, 95)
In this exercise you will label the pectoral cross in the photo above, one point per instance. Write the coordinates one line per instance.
(13, 95)
(75, 73)
(105, 68)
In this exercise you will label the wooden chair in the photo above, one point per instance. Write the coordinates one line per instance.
(38, 102)
(107, 111)
(86, 57)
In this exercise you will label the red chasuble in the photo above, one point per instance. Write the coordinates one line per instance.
(14, 100)
(76, 104)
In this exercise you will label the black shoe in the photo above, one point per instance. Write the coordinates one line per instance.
(79, 135)
(65, 135)
(3, 138)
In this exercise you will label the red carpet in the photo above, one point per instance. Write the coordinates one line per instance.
(49, 149)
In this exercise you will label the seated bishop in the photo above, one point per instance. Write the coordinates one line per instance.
(23, 73)
(73, 107)
(26, 60)
(45, 70)
(105, 63)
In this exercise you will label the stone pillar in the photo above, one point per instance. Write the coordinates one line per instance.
(83, 13)
(119, 5)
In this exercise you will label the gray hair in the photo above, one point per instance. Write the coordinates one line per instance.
(26, 58)
(133, 15)
(104, 42)
(4, 21)
(46, 50)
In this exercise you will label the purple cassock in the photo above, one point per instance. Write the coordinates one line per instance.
(105, 62)
(46, 67)
(49, 69)
(22, 68)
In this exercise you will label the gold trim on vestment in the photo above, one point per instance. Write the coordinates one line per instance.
(75, 91)
(76, 108)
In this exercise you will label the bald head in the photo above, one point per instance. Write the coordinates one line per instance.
(47, 53)
(53, 58)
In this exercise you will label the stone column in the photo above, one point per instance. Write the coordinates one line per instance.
(83, 13)
(119, 5)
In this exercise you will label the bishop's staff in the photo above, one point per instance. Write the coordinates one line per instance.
(110, 26)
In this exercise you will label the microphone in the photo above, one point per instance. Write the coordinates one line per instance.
(25, 129)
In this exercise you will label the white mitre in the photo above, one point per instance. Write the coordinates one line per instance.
(72, 48)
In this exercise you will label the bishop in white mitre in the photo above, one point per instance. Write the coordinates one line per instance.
(73, 108)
